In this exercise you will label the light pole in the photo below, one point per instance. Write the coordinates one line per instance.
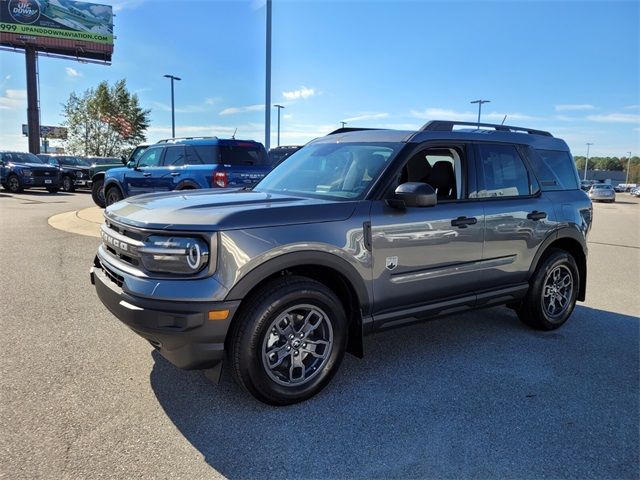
(173, 108)
(480, 102)
(267, 82)
(279, 107)
(628, 166)
(586, 162)
(343, 124)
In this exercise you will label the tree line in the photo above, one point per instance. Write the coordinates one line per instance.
(618, 164)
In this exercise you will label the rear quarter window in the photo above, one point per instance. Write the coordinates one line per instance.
(557, 170)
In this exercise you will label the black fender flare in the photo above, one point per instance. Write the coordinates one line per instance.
(187, 184)
(97, 176)
(111, 182)
(296, 259)
(564, 233)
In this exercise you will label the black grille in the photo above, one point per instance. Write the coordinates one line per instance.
(111, 275)
(43, 173)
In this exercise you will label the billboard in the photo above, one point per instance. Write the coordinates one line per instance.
(48, 132)
(64, 27)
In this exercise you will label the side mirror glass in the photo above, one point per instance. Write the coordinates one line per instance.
(416, 194)
(131, 164)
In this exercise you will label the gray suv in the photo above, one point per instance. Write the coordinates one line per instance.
(359, 231)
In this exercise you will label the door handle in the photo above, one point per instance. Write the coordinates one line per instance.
(536, 215)
(174, 174)
(463, 222)
(147, 174)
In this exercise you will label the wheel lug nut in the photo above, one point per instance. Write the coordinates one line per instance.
(295, 353)
(291, 336)
(288, 348)
(304, 345)
(301, 334)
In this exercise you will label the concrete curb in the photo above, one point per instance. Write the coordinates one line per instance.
(82, 222)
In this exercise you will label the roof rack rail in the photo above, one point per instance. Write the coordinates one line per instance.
(350, 129)
(447, 126)
(166, 140)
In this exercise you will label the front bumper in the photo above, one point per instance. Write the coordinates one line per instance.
(180, 331)
(47, 182)
(81, 183)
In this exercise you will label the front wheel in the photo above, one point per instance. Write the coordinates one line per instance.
(13, 184)
(97, 192)
(288, 340)
(112, 195)
(552, 293)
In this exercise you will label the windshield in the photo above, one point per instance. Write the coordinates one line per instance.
(21, 157)
(602, 187)
(75, 161)
(336, 171)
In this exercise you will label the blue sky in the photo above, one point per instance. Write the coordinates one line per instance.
(571, 67)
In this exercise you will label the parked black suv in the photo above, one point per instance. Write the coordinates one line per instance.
(357, 232)
(75, 172)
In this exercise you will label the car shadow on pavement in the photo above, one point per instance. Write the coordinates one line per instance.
(475, 395)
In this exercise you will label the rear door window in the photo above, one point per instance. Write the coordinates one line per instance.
(503, 172)
(174, 156)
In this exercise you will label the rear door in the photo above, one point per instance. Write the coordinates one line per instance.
(518, 218)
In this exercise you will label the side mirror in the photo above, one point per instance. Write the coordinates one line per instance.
(130, 164)
(124, 160)
(416, 194)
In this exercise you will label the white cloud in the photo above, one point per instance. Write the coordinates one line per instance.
(301, 93)
(247, 108)
(615, 118)
(205, 106)
(72, 72)
(126, 4)
(366, 116)
(573, 107)
(13, 99)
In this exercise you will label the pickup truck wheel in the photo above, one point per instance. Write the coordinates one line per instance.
(67, 184)
(112, 195)
(288, 341)
(552, 293)
(97, 192)
(13, 184)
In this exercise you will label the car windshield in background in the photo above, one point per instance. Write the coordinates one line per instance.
(73, 161)
(105, 160)
(602, 187)
(21, 157)
(336, 171)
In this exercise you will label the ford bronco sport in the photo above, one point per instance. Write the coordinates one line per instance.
(357, 232)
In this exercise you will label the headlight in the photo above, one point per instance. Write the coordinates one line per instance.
(79, 174)
(25, 173)
(174, 254)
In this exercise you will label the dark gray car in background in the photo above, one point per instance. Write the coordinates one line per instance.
(357, 232)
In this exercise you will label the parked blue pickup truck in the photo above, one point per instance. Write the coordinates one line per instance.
(189, 163)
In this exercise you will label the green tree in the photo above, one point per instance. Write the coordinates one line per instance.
(106, 121)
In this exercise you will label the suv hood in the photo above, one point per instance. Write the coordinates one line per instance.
(216, 210)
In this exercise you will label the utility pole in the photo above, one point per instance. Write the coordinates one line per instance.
(480, 102)
(586, 161)
(279, 107)
(173, 108)
(33, 116)
(628, 166)
(267, 99)
(343, 124)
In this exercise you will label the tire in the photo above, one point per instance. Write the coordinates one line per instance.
(67, 184)
(268, 328)
(13, 184)
(555, 279)
(112, 195)
(53, 190)
(97, 192)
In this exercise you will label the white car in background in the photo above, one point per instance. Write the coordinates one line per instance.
(602, 192)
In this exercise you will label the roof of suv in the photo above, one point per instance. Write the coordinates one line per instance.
(444, 130)
(204, 141)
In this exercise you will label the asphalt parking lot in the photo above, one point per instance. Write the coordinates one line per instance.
(475, 396)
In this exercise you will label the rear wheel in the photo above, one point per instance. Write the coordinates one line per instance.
(288, 340)
(112, 195)
(67, 184)
(553, 292)
(97, 192)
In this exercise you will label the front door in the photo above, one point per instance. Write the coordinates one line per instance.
(138, 179)
(425, 254)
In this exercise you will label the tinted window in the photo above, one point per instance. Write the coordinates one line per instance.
(150, 158)
(242, 154)
(503, 172)
(174, 157)
(205, 154)
(21, 157)
(562, 167)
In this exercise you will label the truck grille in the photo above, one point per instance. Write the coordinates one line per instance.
(40, 172)
(121, 242)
